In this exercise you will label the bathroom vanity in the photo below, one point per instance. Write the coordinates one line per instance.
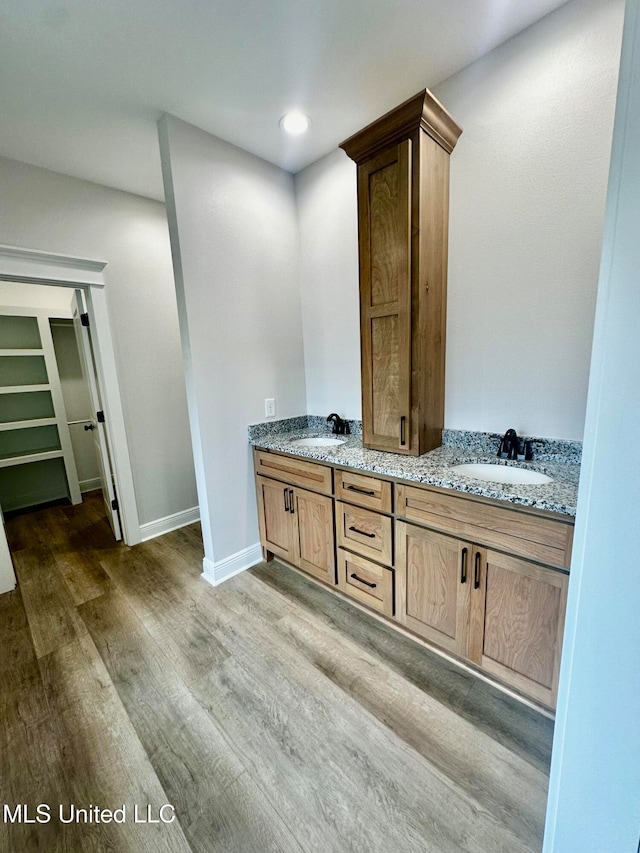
(465, 551)
(476, 569)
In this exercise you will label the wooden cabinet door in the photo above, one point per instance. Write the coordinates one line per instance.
(313, 533)
(517, 624)
(434, 577)
(275, 519)
(384, 222)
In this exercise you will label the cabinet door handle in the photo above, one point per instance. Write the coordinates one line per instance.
(463, 566)
(366, 583)
(362, 533)
(403, 421)
(286, 500)
(476, 572)
(359, 491)
(292, 508)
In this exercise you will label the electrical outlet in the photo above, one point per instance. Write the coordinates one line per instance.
(270, 407)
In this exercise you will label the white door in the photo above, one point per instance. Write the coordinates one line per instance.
(98, 427)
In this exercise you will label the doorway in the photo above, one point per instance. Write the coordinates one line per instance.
(52, 444)
(105, 420)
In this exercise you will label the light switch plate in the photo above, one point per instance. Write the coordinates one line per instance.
(270, 407)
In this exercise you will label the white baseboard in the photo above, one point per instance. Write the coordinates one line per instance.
(222, 570)
(90, 485)
(170, 522)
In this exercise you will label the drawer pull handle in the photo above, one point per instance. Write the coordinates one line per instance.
(286, 500)
(360, 491)
(476, 573)
(292, 509)
(362, 533)
(463, 566)
(366, 583)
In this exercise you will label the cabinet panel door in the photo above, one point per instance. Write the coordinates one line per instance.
(520, 637)
(274, 517)
(314, 545)
(384, 211)
(434, 576)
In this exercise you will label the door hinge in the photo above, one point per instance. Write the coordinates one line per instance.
(100, 417)
(84, 320)
(114, 504)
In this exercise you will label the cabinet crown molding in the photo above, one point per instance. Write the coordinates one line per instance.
(423, 111)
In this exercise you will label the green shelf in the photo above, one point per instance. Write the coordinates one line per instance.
(22, 370)
(26, 407)
(24, 442)
(19, 333)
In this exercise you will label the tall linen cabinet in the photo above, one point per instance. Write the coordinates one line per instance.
(403, 213)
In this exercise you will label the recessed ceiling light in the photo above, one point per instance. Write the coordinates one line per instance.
(295, 122)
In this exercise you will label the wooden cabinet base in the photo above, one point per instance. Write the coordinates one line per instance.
(431, 564)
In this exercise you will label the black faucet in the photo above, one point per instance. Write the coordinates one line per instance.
(340, 427)
(512, 447)
(509, 445)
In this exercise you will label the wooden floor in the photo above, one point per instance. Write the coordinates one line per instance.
(271, 715)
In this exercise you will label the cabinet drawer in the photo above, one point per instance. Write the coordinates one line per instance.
(365, 581)
(521, 533)
(366, 532)
(297, 472)
(363, 490)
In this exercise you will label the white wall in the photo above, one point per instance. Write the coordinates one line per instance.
(527, 202)
(328, 222)
(234, 235)
(528, 182)
(594, 789)
(50, 212)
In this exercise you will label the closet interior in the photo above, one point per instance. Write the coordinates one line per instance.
(47, 451)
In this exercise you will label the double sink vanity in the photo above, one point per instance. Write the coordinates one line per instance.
(477, 568)
(430, 529)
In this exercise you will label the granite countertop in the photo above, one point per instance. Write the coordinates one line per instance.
(560, 460)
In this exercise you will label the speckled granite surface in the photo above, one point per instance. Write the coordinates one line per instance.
(314, 422)
(560, 460)
(549, 449)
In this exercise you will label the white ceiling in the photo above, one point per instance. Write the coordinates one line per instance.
(83, 82)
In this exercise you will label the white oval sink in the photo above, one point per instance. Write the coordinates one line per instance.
(501, 474)
(318, 442)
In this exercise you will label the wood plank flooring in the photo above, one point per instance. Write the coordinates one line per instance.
(271, 715)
